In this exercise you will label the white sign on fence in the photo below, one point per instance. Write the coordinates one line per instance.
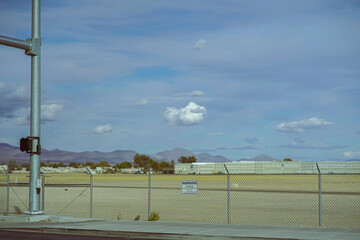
(189, 186)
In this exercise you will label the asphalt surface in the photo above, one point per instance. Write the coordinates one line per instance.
(55, 227)
(15, 235)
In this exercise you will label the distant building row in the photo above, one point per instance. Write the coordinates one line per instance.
(272, 167)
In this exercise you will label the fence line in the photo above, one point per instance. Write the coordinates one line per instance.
(239, 198)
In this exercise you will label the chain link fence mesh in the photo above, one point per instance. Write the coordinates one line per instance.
(3, 190)
(271, 199)
(341, 200)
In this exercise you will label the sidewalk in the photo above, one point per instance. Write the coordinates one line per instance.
(167, 230)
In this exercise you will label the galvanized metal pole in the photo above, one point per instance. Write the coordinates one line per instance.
(319, 184)
(35, 182)
(8, 195)
(16, 43)
(91, 195)
(91, 192)
(7, 191)
(228, 192)
(43, 191)
(149, 195)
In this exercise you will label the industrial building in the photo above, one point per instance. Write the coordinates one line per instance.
(270, 167)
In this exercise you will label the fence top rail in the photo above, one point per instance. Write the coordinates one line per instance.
(259, 174)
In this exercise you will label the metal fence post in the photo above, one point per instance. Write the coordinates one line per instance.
(91, 192)
(228, 192)
(319, 183)
(7, 191)
(149, 195)
(43, 190)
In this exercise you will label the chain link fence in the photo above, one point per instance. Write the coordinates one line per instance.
(248, 199)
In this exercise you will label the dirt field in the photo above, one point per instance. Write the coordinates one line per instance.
(278, 200)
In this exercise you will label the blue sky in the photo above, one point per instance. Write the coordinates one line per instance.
(233, 78)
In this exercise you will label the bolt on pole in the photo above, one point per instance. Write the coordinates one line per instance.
(32, 48)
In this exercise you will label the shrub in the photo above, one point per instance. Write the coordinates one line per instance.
(154, 216)
(137, 218)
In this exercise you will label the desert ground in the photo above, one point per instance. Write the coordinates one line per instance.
(277, 200)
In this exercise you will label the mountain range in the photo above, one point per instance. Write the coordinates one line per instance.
(8, 152)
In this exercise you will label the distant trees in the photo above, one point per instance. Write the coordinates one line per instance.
(74, 164)
(189, 159)
(26, 166)
(287, 159)
(146, 163)
(90, 164)
(12, 165)
(164, 164)
(103, 164)
(141, 161)
(123, 165)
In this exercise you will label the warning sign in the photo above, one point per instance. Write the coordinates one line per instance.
(189, 186)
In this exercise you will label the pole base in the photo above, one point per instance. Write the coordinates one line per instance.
(34, 212)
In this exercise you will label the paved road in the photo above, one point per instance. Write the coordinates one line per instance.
(10, 235)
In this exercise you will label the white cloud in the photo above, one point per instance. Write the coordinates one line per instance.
(103, 129)
(48, 114)
(201, 44)
(48, 111)
(13, 97)
(351, 154)
(142, 102)
(302, 125)
(191, 114)
(23, 119)
(195, 93)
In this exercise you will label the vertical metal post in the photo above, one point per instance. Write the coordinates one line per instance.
(91, 195)
(228, 192)
(35, 186)
(43, 191)
(149, 195)
(91, 192)
(7, 191)
(7, 194)
(319, 184)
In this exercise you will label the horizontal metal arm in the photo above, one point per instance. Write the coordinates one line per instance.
(13, 42)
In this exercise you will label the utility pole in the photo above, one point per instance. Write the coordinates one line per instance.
(31, 144)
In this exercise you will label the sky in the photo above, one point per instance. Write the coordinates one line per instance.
(237, 78)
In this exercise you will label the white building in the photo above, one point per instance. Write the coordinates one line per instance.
(271, 167)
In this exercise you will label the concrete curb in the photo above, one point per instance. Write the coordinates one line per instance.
(45, 218)
(168, 230)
